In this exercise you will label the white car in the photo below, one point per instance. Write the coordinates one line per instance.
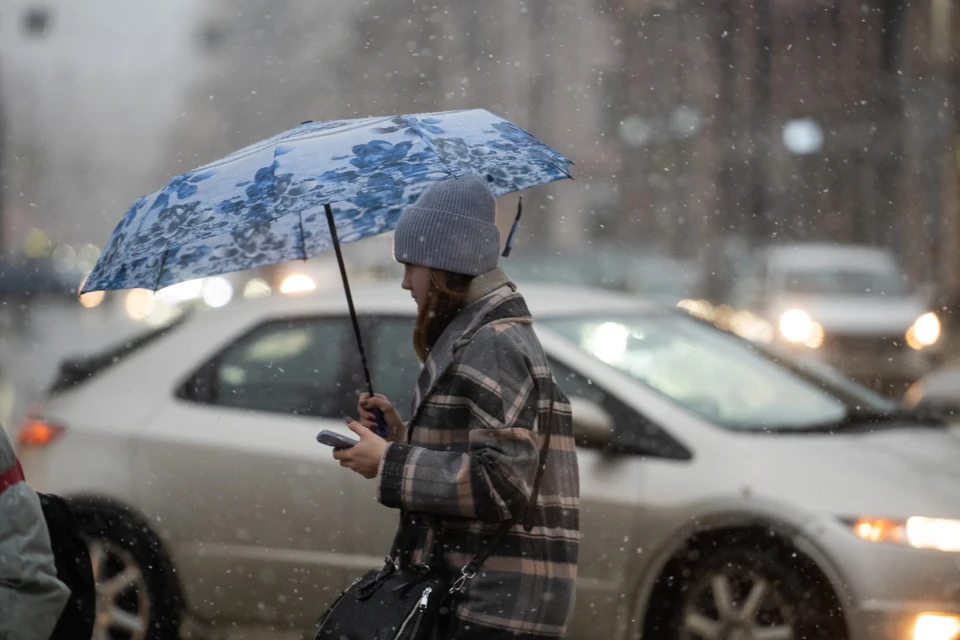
(849, 306)
(726, 493)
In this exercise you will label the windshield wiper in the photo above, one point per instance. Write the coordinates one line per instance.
(864, 420)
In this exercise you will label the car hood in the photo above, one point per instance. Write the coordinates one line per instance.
(857, 315)
(891, 472)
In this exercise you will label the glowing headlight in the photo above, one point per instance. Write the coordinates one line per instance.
(181, 292)
(936, 626)
(92, 299)
(924, 332)
(297, 283)
(256, 288)
(217, 292)
(797, 326)
(934, 533)
(139, 303)
(921, 533)
(609, 342)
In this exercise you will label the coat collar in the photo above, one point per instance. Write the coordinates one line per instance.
(491, 296)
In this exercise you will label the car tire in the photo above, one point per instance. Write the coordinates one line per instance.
(739, 591)
(138, 597)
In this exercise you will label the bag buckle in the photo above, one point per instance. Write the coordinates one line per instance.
(465, 574)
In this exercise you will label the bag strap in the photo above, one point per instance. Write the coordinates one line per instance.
(471, 569)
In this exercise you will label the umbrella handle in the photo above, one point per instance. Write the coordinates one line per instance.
(382, 430)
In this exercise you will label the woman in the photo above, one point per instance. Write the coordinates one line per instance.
(468, 456)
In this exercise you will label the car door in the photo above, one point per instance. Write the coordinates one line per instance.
(615, 480)
(254, 507)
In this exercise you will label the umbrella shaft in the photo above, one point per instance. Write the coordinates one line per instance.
(346, 288)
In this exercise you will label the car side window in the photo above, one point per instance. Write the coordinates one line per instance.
(299, 366)
(394, 366)
(633, 432)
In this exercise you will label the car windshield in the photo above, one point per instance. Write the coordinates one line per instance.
(846, 282)
(718, 376)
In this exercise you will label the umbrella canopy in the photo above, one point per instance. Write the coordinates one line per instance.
(265, 204)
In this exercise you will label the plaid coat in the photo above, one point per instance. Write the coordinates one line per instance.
(471, 456)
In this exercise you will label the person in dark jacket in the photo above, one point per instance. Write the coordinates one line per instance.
(469, 452)
(31, 596)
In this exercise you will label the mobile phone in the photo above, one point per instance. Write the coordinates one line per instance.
(335, 440)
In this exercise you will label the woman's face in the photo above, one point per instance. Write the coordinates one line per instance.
(416, 280)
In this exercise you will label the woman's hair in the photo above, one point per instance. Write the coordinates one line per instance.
(446, 297)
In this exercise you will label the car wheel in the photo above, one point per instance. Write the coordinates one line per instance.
(137, 597)
(744, 594)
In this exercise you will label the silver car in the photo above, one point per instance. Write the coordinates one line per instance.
(727, 492)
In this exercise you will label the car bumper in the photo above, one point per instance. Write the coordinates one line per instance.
(885, 588)
(894, 621)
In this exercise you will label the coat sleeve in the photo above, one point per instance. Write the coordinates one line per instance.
(31, 596)
(490, 401)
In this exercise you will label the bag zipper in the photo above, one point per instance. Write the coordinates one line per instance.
(420, 608)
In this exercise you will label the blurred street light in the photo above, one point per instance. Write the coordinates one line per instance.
(635, 131)
(87, 258)
(36, 244)
(685, 121)
(803, 136)
(64, 258)
(92, 300)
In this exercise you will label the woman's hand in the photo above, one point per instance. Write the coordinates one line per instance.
(395, 425)
(363, 457)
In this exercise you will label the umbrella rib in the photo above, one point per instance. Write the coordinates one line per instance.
(429, 144)
(163, 262)
(303, 239)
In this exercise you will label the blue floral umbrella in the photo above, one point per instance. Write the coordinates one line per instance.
(266, 203)
(304, 191)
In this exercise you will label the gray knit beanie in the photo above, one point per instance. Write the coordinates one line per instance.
(452, 226)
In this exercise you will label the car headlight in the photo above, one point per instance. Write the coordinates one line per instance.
(217, 292)
(939, 534)
(297, 283)
(797, 326)
(256, 288)
(936, 626)
(925, 331)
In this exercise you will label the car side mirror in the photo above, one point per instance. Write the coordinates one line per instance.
(592, 424)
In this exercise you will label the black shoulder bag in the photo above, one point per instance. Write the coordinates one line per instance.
(402, 602)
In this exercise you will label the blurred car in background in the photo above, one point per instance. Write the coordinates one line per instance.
(724, 490)
(367, 262)
(938, 391)
(849, 306)
(26, 279)
(26, 282)
(652, 275)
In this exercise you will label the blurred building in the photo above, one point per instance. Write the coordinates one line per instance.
(791, 120)
(688, 121)
(272, 64)
(89, 93)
